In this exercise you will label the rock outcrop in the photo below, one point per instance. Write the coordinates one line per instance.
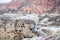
(31, 6)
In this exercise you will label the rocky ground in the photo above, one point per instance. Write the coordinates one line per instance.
(30, 27)
(30, 20)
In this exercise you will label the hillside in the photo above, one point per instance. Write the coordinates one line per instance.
(31, 6)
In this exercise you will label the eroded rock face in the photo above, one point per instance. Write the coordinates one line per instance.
(33, 6)
(49, 19)
(12, 28)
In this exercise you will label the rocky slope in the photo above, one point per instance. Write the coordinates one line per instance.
(31, 6)
(41, 23)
